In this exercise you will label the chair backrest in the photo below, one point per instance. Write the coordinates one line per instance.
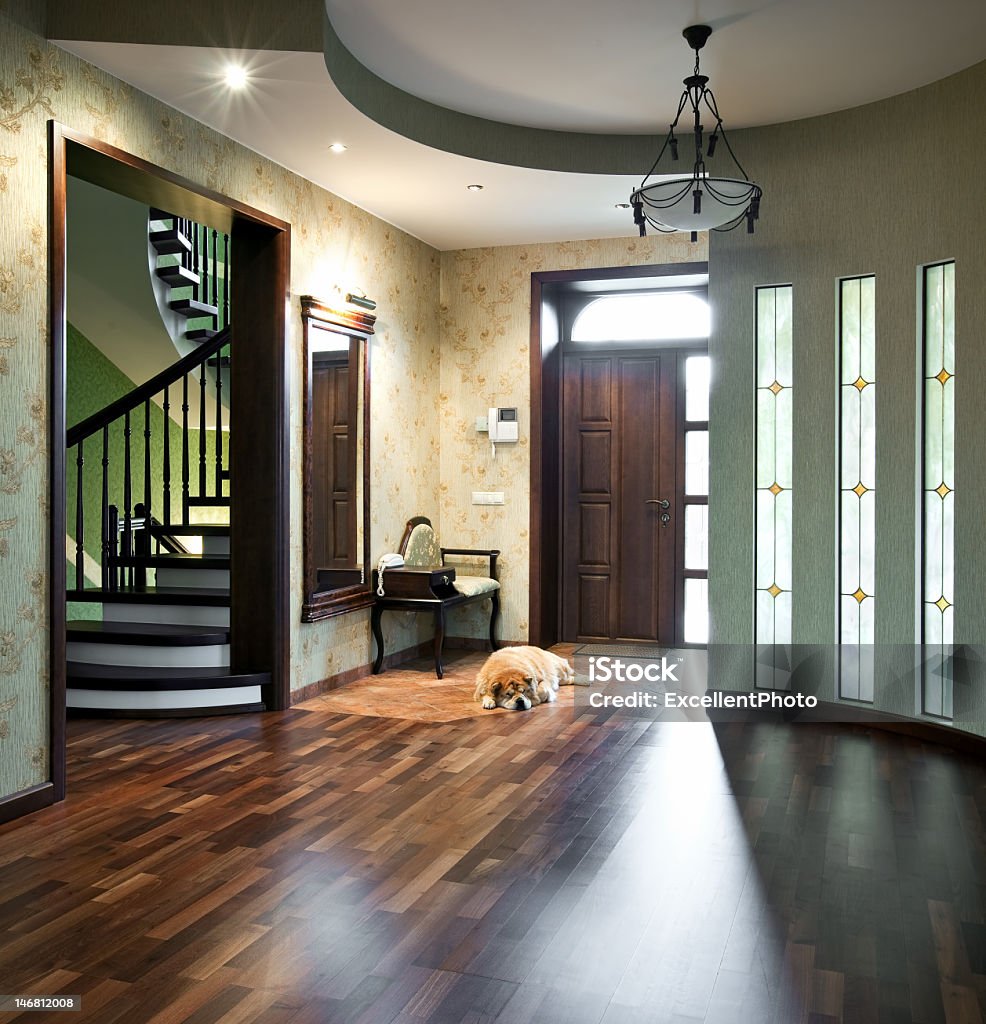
(420, 544)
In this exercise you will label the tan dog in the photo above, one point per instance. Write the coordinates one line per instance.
(519, 678)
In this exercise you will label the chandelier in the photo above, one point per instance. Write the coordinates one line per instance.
(698, 201)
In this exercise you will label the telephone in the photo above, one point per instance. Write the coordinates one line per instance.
(392, 560)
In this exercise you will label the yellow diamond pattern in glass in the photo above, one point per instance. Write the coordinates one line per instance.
(775, 488)
(942, 489)
(859, 383)
(943, 375)
(860, 596)
(776, 387)
(942, 603)
(774, 590)
(860, 489)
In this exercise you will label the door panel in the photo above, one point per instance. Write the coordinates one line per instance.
(619, 455)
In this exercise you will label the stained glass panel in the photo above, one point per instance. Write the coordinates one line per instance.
(773, 475)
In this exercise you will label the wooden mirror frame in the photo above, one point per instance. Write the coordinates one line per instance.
(358, 327)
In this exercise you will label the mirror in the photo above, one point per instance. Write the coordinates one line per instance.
(336, 442)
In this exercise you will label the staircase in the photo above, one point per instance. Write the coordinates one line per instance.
(162, 644)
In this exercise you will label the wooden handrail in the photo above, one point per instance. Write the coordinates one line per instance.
(87, 427)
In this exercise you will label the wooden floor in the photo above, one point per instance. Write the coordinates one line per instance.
(329, 867)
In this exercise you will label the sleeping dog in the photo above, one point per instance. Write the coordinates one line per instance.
(519, 678)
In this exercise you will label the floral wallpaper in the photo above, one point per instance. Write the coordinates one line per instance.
(485, 335)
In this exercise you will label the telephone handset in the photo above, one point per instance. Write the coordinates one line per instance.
(392, 560)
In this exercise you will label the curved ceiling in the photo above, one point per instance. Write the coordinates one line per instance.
(616, 67)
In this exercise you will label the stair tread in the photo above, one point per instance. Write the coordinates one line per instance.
(201, 334)
(170, 241)
(196, 529)
(82, 675)
(193, 308)
(178, 276)
(154, 634)
(176, 560)
(212, 596)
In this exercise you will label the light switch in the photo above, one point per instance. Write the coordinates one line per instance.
(487, 497)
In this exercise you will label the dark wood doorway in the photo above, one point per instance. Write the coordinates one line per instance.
(551, 555)
(620, 496)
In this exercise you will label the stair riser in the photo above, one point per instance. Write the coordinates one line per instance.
(179, 615)
(215, 545)
(105, 700)
(216, 578)
(199, 656)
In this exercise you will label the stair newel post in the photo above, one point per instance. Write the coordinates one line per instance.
(106, 552)
(79, 521)
(142, 543)
(215, 278)
(113, 532)
(166, 459)
(226, 265)
(219, 426)
(127, 492)
(184, 449)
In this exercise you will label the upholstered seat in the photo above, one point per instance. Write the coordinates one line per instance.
(421, 549)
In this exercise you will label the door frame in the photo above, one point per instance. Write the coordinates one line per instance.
(544, 608)
(259, 509)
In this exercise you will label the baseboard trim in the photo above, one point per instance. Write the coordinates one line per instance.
(27, 801)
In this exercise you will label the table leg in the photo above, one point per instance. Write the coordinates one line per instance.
(439, 639)
(375, 615)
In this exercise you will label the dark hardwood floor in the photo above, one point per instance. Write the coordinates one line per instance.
(316, 867)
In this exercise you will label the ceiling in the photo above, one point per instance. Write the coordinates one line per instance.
(563, 65)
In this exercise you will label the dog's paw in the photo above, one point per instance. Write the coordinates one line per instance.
(489, 703)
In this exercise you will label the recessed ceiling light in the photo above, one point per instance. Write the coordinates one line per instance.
(623, 206)
(236, 76)
(338, 147)
(475, 188)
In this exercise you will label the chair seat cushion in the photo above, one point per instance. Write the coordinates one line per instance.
(472, 586)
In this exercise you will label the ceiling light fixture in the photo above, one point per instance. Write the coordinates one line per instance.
(475, 188)
(236, 76)
(338, 147)
(699, 201)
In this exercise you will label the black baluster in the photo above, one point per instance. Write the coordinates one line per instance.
(215, 278)
(226, 266)
(166, 467)
(147, 455)
(219, 425)
(203, 486)
(80, 553)
(184, 449)
(104, 512)
(142, 544)
(127, 497)
(195, 258)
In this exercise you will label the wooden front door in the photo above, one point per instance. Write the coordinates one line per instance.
(621, 496)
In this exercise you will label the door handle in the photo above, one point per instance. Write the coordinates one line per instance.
(664, 504)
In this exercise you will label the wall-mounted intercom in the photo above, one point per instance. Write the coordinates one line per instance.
(502, 424)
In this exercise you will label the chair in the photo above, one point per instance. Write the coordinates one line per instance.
(421, 550)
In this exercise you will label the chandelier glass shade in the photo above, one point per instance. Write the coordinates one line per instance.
(699, 200)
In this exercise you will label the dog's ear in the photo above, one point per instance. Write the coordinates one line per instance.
(496, 687)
